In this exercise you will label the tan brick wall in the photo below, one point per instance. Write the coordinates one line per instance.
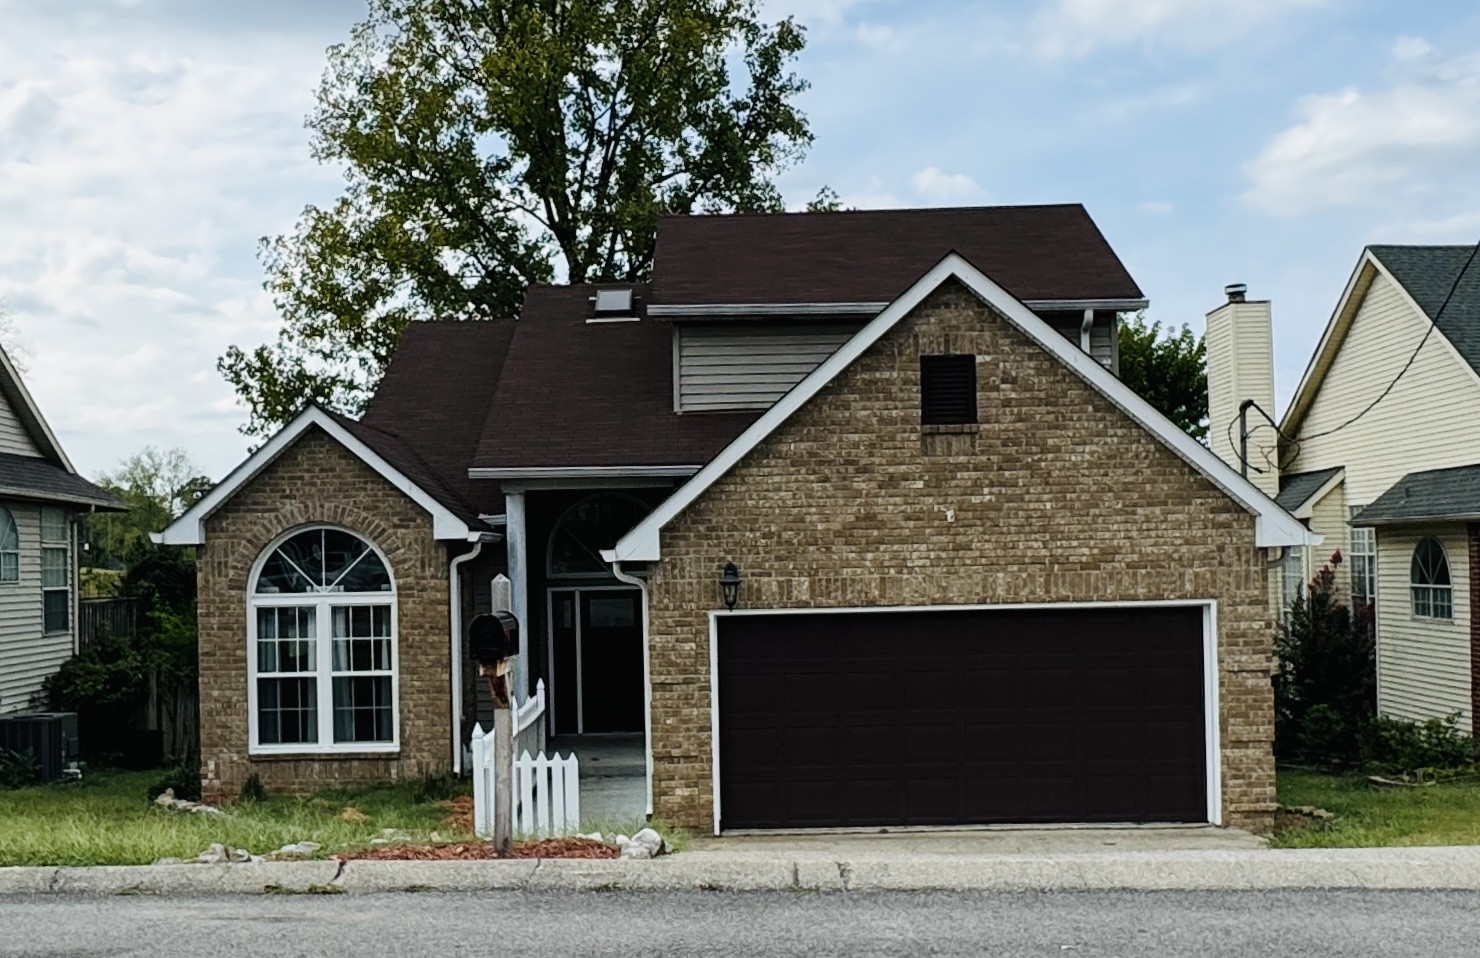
(1056, 497)
(317, 482)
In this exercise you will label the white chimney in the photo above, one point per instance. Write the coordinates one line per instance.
(1240, 343)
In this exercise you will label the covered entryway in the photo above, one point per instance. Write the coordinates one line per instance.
(1057, 714)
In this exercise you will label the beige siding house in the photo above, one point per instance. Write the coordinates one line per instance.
(41, 499)
(1388, 408)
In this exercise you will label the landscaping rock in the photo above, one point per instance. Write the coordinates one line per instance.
(636, 851)
(168, 800)
(215, 855)
(296, 850)
(650, 839)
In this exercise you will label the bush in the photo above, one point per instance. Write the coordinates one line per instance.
(1396, 747)
(1326, 686)
(184, 779)
(18, 769)
(253, 790)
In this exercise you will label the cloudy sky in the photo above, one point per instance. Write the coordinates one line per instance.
(145, 146)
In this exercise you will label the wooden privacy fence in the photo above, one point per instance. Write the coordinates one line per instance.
(117, 616)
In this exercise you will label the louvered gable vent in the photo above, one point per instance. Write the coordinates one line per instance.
(947, 390)
(725, 366)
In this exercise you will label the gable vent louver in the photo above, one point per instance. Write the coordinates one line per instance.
(947, 390)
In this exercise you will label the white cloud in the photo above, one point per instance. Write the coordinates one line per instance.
(1157, 206)
(872, 197)
(1411, 48)
(878, 36)
(1411, 149)
(1068, 28)
(935, 184)
(141, 155)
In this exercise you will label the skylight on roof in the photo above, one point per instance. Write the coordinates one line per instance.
(611, 302)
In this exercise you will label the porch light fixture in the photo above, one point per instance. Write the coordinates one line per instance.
(729, 585)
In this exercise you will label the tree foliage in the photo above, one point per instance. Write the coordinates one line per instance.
(156, 486)
(1169, 369)
(491, 144)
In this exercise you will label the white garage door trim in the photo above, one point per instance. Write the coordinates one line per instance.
(1211, 700)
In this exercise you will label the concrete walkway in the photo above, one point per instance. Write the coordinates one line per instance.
(935, 862)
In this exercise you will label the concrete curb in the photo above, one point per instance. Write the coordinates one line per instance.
(1388, 869)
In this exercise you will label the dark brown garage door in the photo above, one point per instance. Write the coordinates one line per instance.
(949, 718)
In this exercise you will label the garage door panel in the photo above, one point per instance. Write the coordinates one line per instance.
(962, 717)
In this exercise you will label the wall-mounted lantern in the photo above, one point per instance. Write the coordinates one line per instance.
(729, 585)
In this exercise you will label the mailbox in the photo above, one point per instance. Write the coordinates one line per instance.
(493, 637)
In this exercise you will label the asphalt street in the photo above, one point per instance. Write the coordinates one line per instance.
(430, 925)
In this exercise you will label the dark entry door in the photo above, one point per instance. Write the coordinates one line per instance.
(948, 718)
(597, 635)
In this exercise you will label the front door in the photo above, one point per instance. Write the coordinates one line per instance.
(596, 639)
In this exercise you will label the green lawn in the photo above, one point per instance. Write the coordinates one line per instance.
(1367, 816)
(108, 820)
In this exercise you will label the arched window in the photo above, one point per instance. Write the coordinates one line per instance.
(10, 548)
(322, 661)
(593, 524)
(1433, 593)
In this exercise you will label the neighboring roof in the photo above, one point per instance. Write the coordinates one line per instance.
(1428, 273)
(1425, 275)
(25, 408)
(581, 396)
(1273, 525)
(1438, 495)
(383, 453)
(1299, 488)
(435, 396)
(27, 477)
(1036, 253)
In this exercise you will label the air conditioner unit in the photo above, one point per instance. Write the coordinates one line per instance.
(48, 737)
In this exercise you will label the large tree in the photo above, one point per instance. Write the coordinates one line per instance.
(489, 144)
(1169, 369)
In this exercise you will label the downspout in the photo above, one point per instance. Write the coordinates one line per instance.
(647, 680)
(1084, 331)
(454, 591)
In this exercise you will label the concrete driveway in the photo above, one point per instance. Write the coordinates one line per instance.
(976, 843)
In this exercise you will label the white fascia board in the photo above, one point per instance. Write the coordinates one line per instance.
(31, 414)
(1310, 382)
(583, 472)
(1274, 527)
(1307, 508)
(189, 529)
(710, 310)
(1077, 305)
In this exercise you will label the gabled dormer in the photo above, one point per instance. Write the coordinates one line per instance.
(757, 302)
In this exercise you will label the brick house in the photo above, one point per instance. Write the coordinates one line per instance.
(972, 577)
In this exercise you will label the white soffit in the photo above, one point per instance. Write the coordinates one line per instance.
(1274, 527)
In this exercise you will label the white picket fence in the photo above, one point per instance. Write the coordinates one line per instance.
(547, 791)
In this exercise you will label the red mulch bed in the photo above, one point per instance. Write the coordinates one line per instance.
(478, 851)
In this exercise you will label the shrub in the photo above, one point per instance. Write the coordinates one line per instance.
(253, 790)
(1326, 685)
(18, 769)
(184, 779)
(1397, 747)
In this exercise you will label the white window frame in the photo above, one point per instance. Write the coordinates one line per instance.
(7, 516)
(1431, 591)
(1293, 556)
(323, 604)
(1364, 548)
(64, 546)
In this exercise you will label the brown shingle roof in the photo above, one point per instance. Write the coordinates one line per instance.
(594, 394)
(435, 396)
(1034, 252)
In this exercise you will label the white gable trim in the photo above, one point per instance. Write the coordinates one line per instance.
(1336, 332)
(1273, 526)
(30, 415)
(190, 528)
(1307, 508)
